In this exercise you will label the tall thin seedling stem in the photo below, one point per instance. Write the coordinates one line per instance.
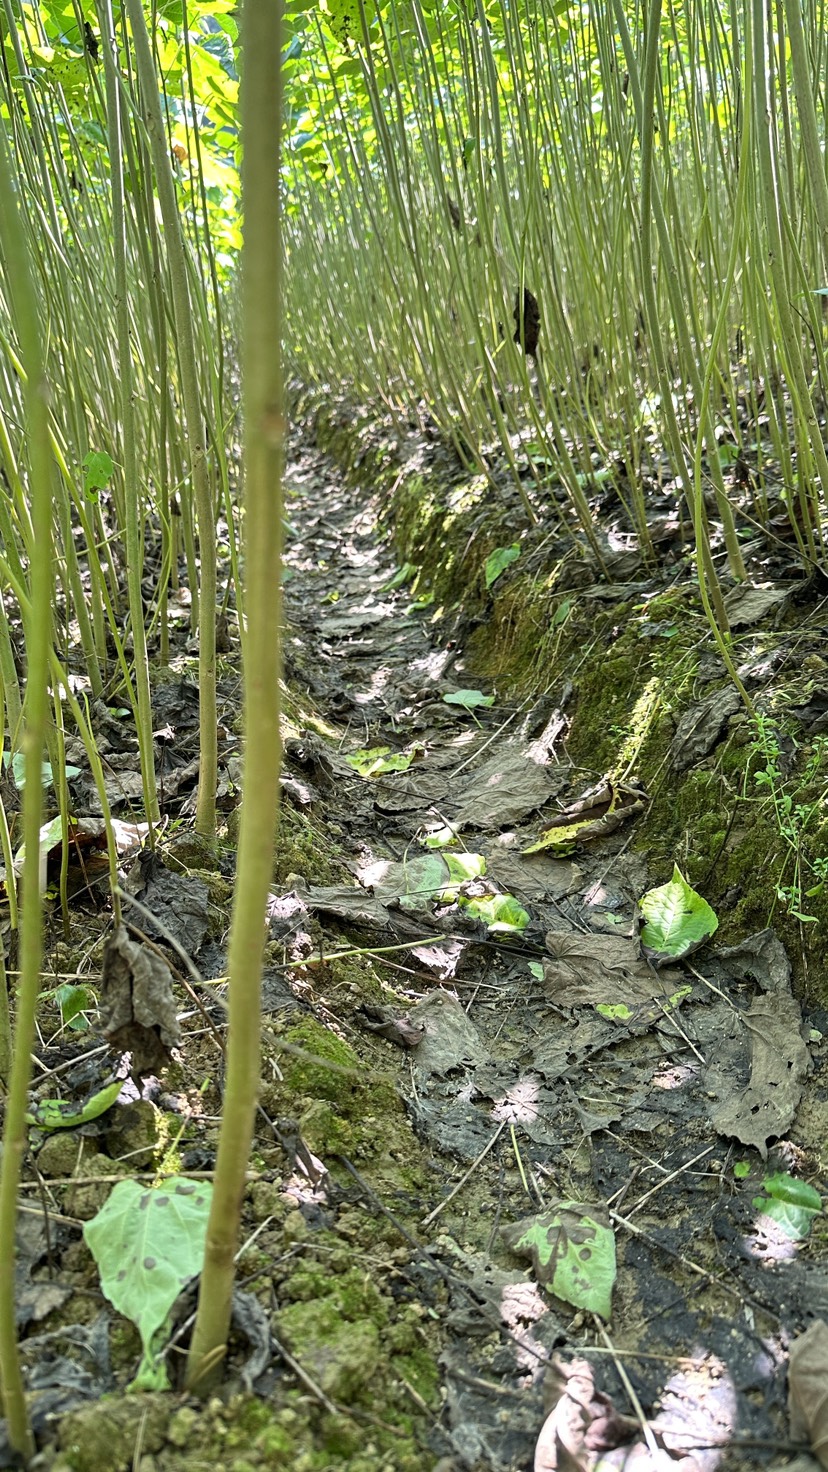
(264, 434)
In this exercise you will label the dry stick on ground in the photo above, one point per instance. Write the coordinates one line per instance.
(659, 1458)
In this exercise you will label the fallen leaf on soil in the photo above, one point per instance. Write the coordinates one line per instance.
(250, 1318)
(343, 901)
(507, 787)
(137, 1006)
(677, 920)
(749, 603)
(581, 1421)
(498, 561)
(808, 1389)
(441, 957)
(533, 879)
(572, 1250)
(451, 1040)
(148, 1244)
(702, 726)
(813, 715)
(33, 1299)
(179, 902)
(87, 851)
(606, 971)
(409, 791)
(600, 810)
(411, 884)
(771, 1046)
(394, 1027)
(468, 699)
(761, 956)
(378, 760)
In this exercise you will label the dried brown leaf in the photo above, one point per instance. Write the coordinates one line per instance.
(808, 1389)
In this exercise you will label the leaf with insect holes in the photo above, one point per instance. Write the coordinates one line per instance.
(344, 19)
(572, 1250)
(63, 1114)
(678, 920)
(148, 1244)
(98, 470)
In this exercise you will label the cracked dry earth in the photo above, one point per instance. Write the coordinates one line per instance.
(531, 1093)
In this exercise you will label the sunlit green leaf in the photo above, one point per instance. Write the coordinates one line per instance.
(678, 920)
(469, 699)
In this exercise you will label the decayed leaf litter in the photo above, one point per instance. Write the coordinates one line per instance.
(583, 1075)
(700, 1054)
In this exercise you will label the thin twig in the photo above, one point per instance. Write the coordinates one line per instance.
(427, 1220)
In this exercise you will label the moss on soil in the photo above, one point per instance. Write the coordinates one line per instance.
(343, 1107)
(242, 1434)
(306, 847)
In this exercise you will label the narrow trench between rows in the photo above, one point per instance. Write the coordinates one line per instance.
(530, 1102)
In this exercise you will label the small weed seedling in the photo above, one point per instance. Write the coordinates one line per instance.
(795, 809)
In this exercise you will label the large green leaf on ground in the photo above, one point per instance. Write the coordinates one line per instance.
(572, 1250)
(678, 920)
(501, 912)
(499, 560)
(469, 699)
(792, 1204)
(148, 1244)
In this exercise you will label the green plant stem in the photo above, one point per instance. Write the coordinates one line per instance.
(134, 526)
(809, 128)
(648, 197)
(177, 260)
(264, 433)
(805, 416)
(38, 628)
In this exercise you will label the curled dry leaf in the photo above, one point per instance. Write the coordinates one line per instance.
(581, 1421)
(137, 1007)
(808, 1389)
(596, 814)
(395, 1027)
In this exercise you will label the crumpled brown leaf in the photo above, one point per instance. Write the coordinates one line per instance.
(597, 813)
(395, 1027)
(602, 970)
(808, 1389)
(581, 1421)
(779, 1062)
(137, 1006)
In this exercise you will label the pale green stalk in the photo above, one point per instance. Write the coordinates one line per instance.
(773, 205)
(264, 435)
(185, 341)
(134, 517)
(38, 633)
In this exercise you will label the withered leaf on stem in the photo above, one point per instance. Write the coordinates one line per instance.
(137, 1006)
(527, 322)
